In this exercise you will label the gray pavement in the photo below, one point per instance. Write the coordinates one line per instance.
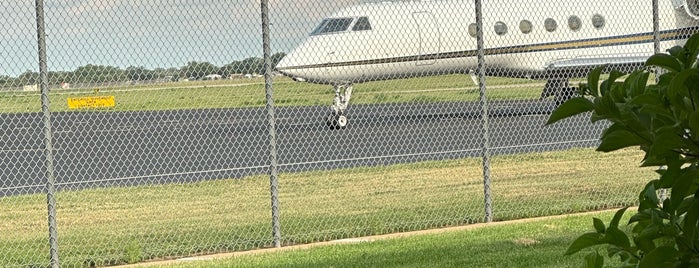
(104, 149)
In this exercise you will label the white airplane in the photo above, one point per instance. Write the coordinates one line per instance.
(553, 40)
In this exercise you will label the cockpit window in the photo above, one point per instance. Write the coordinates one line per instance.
(362, 24)
(332, 26)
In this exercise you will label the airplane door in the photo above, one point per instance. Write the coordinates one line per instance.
(429, 37)
(329, 59)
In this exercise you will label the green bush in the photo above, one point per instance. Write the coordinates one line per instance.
(662, 119)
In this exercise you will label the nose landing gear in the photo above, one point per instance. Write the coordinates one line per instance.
(337, 118)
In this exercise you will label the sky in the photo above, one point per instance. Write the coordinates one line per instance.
(151, 33)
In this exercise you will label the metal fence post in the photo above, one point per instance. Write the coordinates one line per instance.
(656, 28)
(48, 135)
(269, 95)
(656, 36)
(483, 99)
(662, 193)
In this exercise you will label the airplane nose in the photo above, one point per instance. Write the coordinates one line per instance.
(283, 67)
(283, 63)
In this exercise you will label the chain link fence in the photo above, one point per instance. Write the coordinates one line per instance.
(165, 129)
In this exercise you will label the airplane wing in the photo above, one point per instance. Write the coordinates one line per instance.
(580, 66)
(614, 61)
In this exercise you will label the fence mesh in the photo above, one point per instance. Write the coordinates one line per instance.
(161, 136)
(526, 180)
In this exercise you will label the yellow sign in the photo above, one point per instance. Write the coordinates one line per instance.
(91, 102)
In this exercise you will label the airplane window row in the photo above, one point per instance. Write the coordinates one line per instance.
(334, 25)
(525, 26)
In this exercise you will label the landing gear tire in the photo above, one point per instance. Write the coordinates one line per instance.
(341, 121)
(336, 121)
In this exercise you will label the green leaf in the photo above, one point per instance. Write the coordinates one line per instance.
(692, 49)
(636, 83)
(678, 83)
(571, 107)
(606, 87)
(644, 244)
(616, 237)
(676, 51)
(613, 128)
(593, 80)
(661, 88)
(614, 250)
(599, 225)
(618, 92)
(694, 123)
(665, 142)
(691, 222)
(683, 185)
(657, 218)
(618, 139)
(664, 256)
(648, 198)
(625, 256)
(635, 123)
(651, 103)
(617, 217)
(669, 173)
(692, 84)
(594, 260)
(685, 206)
(604, 108)
(651, 232)
(665, 61)
(585, 241)
(651, 159)
(643, 215)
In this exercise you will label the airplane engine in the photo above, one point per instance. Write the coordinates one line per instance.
(691, 8)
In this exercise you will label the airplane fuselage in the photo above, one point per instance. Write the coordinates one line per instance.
(553, 40)
(521, 38)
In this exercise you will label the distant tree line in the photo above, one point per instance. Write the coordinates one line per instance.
(106, 74)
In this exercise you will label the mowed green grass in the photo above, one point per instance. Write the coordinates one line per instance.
(245, 93)
(537, 243)
(131, 224)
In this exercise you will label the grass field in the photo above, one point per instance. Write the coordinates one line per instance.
(244, 93)
(537, 243)
(130, 224)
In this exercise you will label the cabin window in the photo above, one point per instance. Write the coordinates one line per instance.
(500, 28)
(332, 26)
(574, 23)
(362, 24)
(472, 29)
(598, 21)
(550, 24)
(525, 26)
